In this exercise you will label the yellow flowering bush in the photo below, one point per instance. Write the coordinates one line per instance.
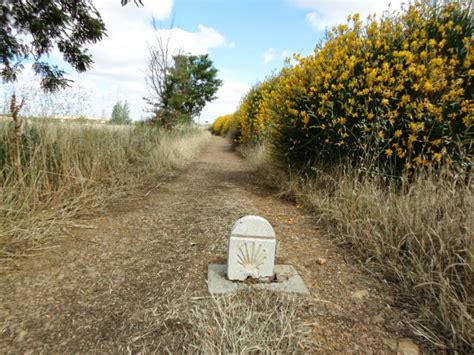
(398, 89)
(250, 127)
(395, 95)
(253, 112)
(218, 124)
(223, 124)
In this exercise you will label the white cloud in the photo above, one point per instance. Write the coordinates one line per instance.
(228, 98)
(327, 13)
(269, 56)
(120, 59)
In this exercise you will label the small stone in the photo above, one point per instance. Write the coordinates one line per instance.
(321, 261)
(407, 347)
(360, 294)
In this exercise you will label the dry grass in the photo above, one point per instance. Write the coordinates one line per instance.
(417, 236)
(247, 322)
(134, 282)
(71, 169)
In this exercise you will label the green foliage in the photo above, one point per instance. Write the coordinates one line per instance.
(69, 25)
(120, 113)
(190, 84)
(193, 82)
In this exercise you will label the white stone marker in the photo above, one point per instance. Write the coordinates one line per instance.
(251, 249)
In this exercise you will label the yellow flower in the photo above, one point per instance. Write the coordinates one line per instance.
(420, 161)
(342, 27)
(405, 99)
(416, 127)
(412, 138)
(398, 133)
(401, 153)
(388, 152)
(428, 86)
(305, 116)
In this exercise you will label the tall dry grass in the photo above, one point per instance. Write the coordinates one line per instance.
(71, 169)
(416, 236)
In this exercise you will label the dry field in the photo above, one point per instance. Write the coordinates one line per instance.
(132, 278)
(75, 169)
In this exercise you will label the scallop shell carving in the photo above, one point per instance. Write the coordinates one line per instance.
(251, 258)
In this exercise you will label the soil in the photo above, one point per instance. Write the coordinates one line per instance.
(104, 287)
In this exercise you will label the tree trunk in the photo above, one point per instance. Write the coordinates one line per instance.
(16, 156)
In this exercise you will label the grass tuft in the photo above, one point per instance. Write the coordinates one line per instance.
(248, 322)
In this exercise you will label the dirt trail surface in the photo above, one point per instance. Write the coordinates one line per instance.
(113, 285)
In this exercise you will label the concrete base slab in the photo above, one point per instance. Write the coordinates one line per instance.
(286, 280)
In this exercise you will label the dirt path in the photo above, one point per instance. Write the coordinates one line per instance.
(107, 287)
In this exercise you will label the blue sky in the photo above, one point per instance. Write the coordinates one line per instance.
(246, 39)
(255, 27)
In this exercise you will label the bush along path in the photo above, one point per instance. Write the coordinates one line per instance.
(134, 278)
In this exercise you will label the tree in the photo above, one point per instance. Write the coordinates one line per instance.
(192, 83)
(34, 28)
(69, 25)
(159, 66)
(120, 113)
(179, 88)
